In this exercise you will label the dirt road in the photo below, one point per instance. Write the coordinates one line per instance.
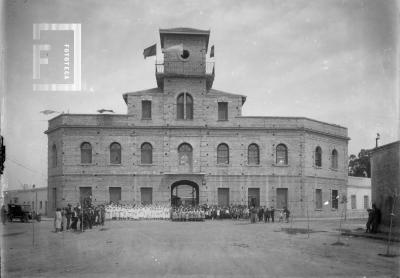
(197, 249)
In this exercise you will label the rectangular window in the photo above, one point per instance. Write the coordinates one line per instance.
(223, 197)
(115, 194)
(146, 109)
(40, 205)
(353, 202)
(335, 199)
(366, 201)
(146, 195)
(318, 198)
(281, 198)
(254, 197)
(222, 111)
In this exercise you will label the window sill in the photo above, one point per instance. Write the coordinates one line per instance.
(86, 164)
(222, 165)
(319, 210)
(112, 164)
(334, 169)
(146, 165)
(317, 167)
(146, 119)
(253, 165)
(280, 165)
(184, 120)
(220, 120)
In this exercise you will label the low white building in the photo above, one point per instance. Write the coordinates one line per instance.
(358, 197)
(35, 197)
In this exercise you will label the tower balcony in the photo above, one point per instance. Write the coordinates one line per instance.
(184, 69)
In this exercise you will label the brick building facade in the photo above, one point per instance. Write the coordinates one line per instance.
(186, 135)
(385, 182)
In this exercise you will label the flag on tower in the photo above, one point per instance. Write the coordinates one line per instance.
(48, 112)
(150, 51)
(212, 52)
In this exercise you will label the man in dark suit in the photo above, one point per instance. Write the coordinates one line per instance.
(68, 214)
(260, 214)
(272, 213)
(266, 215)
(376, 218)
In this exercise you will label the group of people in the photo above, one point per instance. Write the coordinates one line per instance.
(137, 212)
(88, 215)
(188, 213)
(268, 214)
(226, 212)
(199, 213)
(374, 219)
(84, 217)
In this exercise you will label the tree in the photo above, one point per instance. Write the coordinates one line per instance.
(360, 166)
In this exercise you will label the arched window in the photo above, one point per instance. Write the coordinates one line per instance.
(185, 154)
(281, 155)
(222, 154)
(334, 159)
(54, 156)
(86, 153)
(146, 153)
(184, 107)
(115, 153)
(318, 157)
(253, 154)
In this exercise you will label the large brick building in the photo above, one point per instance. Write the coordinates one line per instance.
(185, 140)
(385, 181)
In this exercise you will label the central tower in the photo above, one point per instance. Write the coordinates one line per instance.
(184, 52)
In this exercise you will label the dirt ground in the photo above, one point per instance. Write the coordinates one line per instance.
(193, 249)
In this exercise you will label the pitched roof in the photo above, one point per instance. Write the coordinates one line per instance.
(148, 91)
(184, 31)
(160, 91)
(218, 92)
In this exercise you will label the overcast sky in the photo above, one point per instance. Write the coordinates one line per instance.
(330, 60)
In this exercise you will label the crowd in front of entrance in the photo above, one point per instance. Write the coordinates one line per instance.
(137, 212)
(193, 213)
(86, 215)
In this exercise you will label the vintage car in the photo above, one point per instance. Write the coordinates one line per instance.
(23, 212)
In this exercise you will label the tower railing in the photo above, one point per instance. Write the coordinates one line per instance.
(182, 67)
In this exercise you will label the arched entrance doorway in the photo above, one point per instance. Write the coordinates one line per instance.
(184, 193)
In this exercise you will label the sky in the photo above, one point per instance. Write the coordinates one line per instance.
(331, 60)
